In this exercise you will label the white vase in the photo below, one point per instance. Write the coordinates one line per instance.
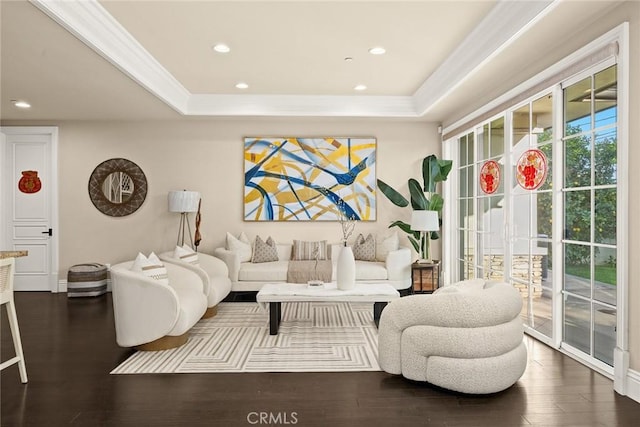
(346, 274)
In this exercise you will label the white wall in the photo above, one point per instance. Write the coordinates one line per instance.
(207, 156)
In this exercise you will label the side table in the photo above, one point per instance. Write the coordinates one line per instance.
(425, 276)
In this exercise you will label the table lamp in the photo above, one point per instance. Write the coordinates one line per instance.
(424, 221)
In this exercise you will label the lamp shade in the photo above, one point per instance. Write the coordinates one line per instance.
(424, 221)
(183, 201)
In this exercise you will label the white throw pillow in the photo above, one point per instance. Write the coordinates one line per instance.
(384, 245)
(241, 245)
(151, 267)
(186, 254)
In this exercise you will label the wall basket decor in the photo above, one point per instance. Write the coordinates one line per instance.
(309, 179)
(117, 187)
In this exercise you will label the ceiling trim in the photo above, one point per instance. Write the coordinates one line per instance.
(504, 24)
(93, 25)
(299, 105)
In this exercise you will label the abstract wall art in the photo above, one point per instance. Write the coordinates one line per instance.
(309, 179)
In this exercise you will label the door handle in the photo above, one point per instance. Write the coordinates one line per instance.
(50, 232)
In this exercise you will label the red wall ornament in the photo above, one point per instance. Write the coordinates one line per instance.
(490, 177)
(29, 183)
(531, 169)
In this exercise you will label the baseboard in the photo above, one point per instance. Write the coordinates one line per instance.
(633, 385)
(62, 285)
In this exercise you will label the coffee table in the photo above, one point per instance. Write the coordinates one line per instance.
(276, 293)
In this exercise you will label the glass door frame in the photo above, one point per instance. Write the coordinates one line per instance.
(620, 35)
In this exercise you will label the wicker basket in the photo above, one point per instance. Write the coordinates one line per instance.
(87, 280)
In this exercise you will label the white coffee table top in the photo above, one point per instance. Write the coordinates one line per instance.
(364, 292)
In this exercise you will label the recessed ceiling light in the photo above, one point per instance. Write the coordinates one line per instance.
(242, 85)
(360, 87)
(348, 59)
(20, 104)
(222, 48)
(378, 50)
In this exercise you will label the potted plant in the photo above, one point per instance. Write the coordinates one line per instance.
(423, 197)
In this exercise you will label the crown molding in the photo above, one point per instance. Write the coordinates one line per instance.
(300, 105)
(504, 24)
(93, 25)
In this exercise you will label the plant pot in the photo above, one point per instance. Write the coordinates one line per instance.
(346, 274)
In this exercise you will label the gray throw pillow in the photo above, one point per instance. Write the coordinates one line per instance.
(264, 251)
(305, 251)
(364, 249)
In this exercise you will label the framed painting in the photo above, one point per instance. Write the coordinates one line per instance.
(309, 179)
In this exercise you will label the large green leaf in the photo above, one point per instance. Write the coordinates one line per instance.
(436, 203)
(395, 197)
(415, 243)
(402, 226)
(418, 200)
(405, 227)
(434, 171)
(445, 168)
(430, 169)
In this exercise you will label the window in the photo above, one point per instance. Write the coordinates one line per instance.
(506, 232)
(590, 200)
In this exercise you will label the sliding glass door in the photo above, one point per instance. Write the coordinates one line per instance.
(590, 199)
(531, 213)
(509, 202)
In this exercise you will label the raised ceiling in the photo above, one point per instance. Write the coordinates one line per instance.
(115, 60)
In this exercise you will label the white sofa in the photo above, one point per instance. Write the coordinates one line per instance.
(213, 273)
(466, 337)
(248, 276)
(150, 315)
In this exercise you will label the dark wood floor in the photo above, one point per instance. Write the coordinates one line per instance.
(70, 349)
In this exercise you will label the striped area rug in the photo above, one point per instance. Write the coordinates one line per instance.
(313, 337)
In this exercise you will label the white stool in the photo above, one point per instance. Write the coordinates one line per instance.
(7, 267)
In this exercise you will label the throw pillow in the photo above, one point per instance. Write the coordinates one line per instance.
(264, 251)
(305, 251)
(151, 267)
(186, 254)
(364, 249)
(240, 245)
(385, 245)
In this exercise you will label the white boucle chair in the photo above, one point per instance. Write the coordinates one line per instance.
(466, 337)
(150, 315)
(214, 274)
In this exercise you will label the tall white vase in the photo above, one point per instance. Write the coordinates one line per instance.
(346, 274)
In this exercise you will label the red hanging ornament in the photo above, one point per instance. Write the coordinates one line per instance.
(490, 177)
(531, 169)
(29, 183)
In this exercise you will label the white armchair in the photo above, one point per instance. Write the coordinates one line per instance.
(466, 337)
(150, 315)
(214, 275)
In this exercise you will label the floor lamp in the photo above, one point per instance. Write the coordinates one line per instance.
(183, 202)
(424, 221)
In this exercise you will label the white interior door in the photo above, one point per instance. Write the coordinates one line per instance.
(29, 194)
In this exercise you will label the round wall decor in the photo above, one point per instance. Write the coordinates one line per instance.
(531, 169)
(117, 187)
(490, 177)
